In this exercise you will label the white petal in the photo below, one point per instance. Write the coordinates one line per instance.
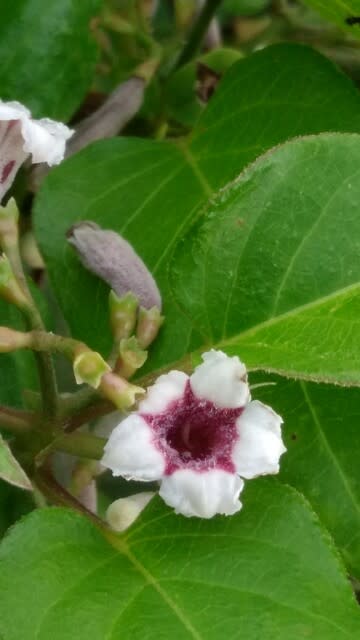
(259, 447)
(221, 379)
(131, 453)
(202, 494)
(13, 111)
(12, 154)
(167, 389)
(45, 139)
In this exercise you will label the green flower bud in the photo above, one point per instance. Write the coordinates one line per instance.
(123, 314)
(149, 323)
(89, 367)
(123, 512)
(119, 391)
(9, 217)
(131, 357)
(10, 289)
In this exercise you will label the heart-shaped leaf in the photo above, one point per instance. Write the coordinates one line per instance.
(269, 572)
(271, 270)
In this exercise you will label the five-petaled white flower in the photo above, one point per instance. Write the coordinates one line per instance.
(200, 436)
(21, 136)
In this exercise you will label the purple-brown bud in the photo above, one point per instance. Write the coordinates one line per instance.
(106, 254)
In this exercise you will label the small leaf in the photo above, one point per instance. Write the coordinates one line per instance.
(268, 572)
(10, 470)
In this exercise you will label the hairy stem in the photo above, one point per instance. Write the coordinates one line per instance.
(84, 445)
(57, 495)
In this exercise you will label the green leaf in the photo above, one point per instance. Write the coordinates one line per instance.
(150, 191)
(321, 433)
(14, 503)
(270, 271)
(269, 572)
(48, 54)
(10, 470)
(243, 7)
(339, 12)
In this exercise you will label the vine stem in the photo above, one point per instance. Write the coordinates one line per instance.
(57, 495)
(45, 365)
(197, 32)
(15, 420)
(84, 445)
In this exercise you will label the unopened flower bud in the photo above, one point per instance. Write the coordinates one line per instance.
(89, 367)
(113, 259)
(123, 314)
(123, 512)
(10, 289)
(131, 357)
(149, 323)
(11, 340)
(119, 391)
(30, 252)
(9, 217)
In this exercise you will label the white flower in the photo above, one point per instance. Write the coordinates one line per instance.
(198, 435)
(21, 136)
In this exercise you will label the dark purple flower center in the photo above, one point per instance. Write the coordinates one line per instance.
(195, 433)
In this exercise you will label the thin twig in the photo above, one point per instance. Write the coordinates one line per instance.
(197, 32)
(15, 420)
(57, 495)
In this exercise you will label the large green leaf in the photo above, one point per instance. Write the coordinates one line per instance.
(271, 272)
(149, 191)
(269, 572)
(321, 432)
(47, 53)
